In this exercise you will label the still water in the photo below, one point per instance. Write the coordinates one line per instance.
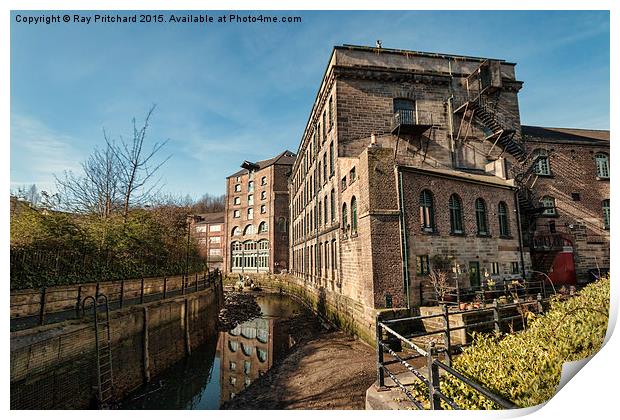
(228, 362)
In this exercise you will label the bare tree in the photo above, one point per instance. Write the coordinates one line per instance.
(209, 203)
(98, 189)
(115, 178)
(137, 166)
(439, 281)
(28, 193)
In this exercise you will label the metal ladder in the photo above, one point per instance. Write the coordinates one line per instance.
(103, 347)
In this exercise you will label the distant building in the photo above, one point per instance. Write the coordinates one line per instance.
(569, 239)
(257, 216)
(208, 229)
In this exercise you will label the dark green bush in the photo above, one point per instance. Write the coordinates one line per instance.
(525, 367)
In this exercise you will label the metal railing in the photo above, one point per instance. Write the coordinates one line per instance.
(429, 376)
(411, 117)
(455, 295)
(60, 303)
(551, 242)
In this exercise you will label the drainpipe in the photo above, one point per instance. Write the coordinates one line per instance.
(403, 234)
(516, 199)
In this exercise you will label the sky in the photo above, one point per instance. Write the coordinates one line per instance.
(226, 93)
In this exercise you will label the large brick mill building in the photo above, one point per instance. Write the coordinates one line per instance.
(411, 161)
(257, 216)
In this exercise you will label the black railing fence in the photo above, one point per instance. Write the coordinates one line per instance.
(394, 338)
(49, 305)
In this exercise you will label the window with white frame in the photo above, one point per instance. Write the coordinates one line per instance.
(602, 165)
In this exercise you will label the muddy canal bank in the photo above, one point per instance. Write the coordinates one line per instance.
(282, 359)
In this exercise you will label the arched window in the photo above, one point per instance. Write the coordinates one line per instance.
(344, 217)
(281, 224)
(602, 165)
(481, 217)
(353, 215)
(549, 205)
(456, 214)
(233, 345)
(427, 213)
(332, 205)
(236, 231)
(250, 199)
(263, 195)
(249, 230)
(502, 215)
(262, 227)
(542, 163)
(262, 355)
(250, 213)
(606, 214)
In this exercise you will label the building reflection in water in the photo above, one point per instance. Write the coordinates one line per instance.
(248, 351)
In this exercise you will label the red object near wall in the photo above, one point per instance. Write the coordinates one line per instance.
(563, 272)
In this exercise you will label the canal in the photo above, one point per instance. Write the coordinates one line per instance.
(226, 364)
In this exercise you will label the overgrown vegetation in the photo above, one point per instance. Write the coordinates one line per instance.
(106, 222)
(525, 367)
(53, 248)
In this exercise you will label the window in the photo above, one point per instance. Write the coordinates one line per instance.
(331, 113)
(456, 214)
(344, 217)
(606, 214)
(263, 195)
(343, 184)
(494, 268)
(514, 267)
(250, 214)
(247, 365)
(263, 209)
(251, 199)
(551, 225)
(331, 159)
(215, 240)
(263, 255)
(237, 201)
(404, 111)
(263, 180)
(423, 266)
(575, 196)
(333, 205)
(542, 162)
(236, 231)
(249, 229)
(325, 209)
(426, 211)
(232, 365)
(324, 125)
(352, 175)
(262, 227)
(236, 214)
(251, 186)
(281, 225)
(201, 229)
(353, 215)
(320, 213)
(215, 228)
(237, 187)
(324, 169)
(602, 165)
(481, 217)
(548, 203)
(215, 252)
(502, 215)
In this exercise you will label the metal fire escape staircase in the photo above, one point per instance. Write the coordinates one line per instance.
(103, 347)
(483, 88)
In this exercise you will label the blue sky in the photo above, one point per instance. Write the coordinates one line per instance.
(226, 93)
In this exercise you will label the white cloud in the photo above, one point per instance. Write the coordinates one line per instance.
(38, 152)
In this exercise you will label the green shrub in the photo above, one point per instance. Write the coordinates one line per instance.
(525, 367)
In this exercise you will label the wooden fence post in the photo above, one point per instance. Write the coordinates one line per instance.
(447, 338)
(146, 362)
(78, 301)
(42, 306)
(122, 298)
(188, 344)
